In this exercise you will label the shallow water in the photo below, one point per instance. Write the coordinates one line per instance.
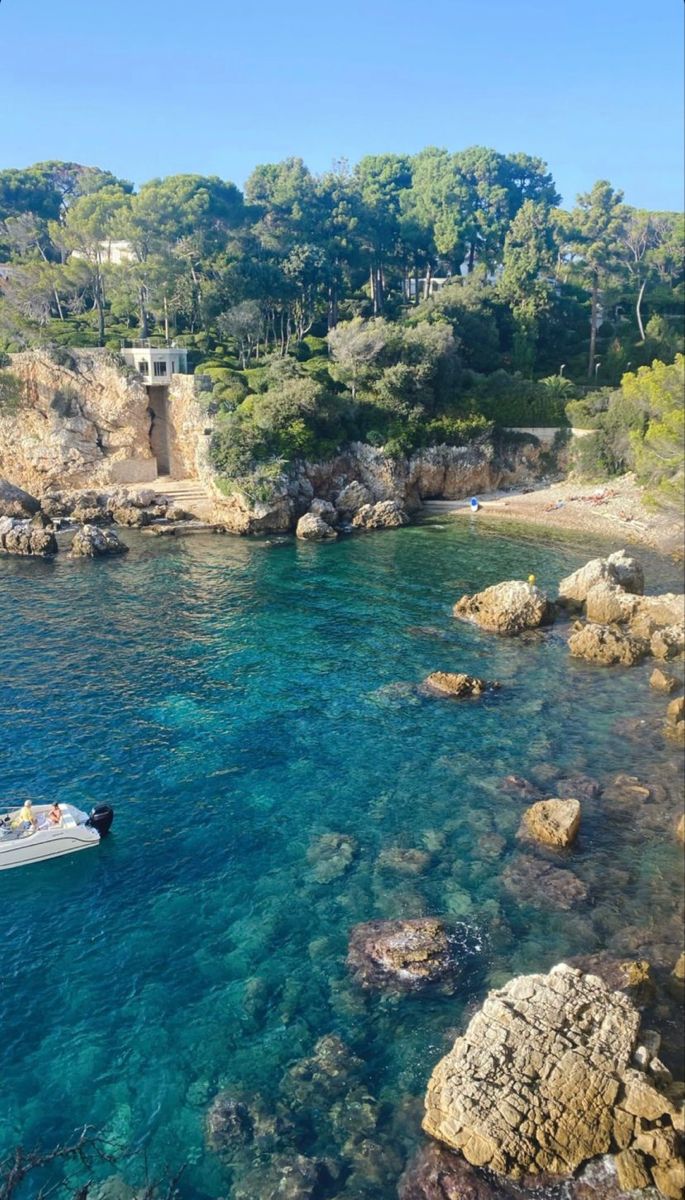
(234, 701)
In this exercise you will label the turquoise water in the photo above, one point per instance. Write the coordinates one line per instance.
(235, 701)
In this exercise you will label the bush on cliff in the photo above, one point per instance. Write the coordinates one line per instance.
(638, 427)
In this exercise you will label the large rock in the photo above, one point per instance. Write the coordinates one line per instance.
(652, 613)
(668, 643)
(661, 682)
(409, 954)
(312, 528)
(15, 502)
(553, 822)
(532, 1084)
(23, 537)
(507, 608)
(325, 510)
(351, 498)
(606, 645)
(628, 571)
(607, 603)
(92, 542)
(386, 514)
(446, 683)
(619, 569)
(130, 515)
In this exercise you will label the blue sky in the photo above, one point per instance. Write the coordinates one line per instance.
(147, 88)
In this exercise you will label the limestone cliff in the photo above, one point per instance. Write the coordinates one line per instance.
(84, 422)
(363, 474)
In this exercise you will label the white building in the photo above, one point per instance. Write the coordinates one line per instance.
(156, 363)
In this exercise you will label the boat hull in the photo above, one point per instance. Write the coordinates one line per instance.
(21, 849)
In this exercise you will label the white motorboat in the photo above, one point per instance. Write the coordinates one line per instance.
(23, 842)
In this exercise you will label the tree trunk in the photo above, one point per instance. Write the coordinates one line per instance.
(144, 330)
(638, 309)
(472, 256)
(100, 305)
(333, 306)
(428, 281)
(593, 326)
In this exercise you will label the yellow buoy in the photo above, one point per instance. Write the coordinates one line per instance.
(531, 580)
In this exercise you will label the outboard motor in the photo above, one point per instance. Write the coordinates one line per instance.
(101, 818)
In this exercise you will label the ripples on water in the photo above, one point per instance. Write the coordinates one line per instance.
(234, 701)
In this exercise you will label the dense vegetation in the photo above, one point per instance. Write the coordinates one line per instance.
(406, 301)
(638, 427)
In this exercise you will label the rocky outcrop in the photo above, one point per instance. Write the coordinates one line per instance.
(84, 421)
(668, 643)
(620, 570)
(26, 537)
(553, 822)
(15, 502)
(351, 498)
(312, 528)
(457, 686)
(507, 608)
(675, 720)
(607, 645)
(661, 682)
(409, 955)
(542, 1081)
(385, 514)
(91, 542)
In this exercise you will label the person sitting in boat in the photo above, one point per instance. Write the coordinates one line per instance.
(55, 814)
(27, 818)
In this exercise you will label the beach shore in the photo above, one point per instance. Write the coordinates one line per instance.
(613, 510)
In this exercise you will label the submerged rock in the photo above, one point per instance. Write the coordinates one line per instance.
(553, 822)
(91, 542)
(435, 1173)
(606, 645)
(404, 862)
(330, 855)
(286, 1177)
(507, 608)
(23, 537)
(15, 502)
(386, 514)
(537, 882)
(312, 528)
(229, 1125)
(446, 683)
(409, 954)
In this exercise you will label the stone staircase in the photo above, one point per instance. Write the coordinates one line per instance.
(189, 494)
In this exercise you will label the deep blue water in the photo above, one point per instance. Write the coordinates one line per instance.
(234, 701)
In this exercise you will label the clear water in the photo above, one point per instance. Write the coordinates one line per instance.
(235, 700)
